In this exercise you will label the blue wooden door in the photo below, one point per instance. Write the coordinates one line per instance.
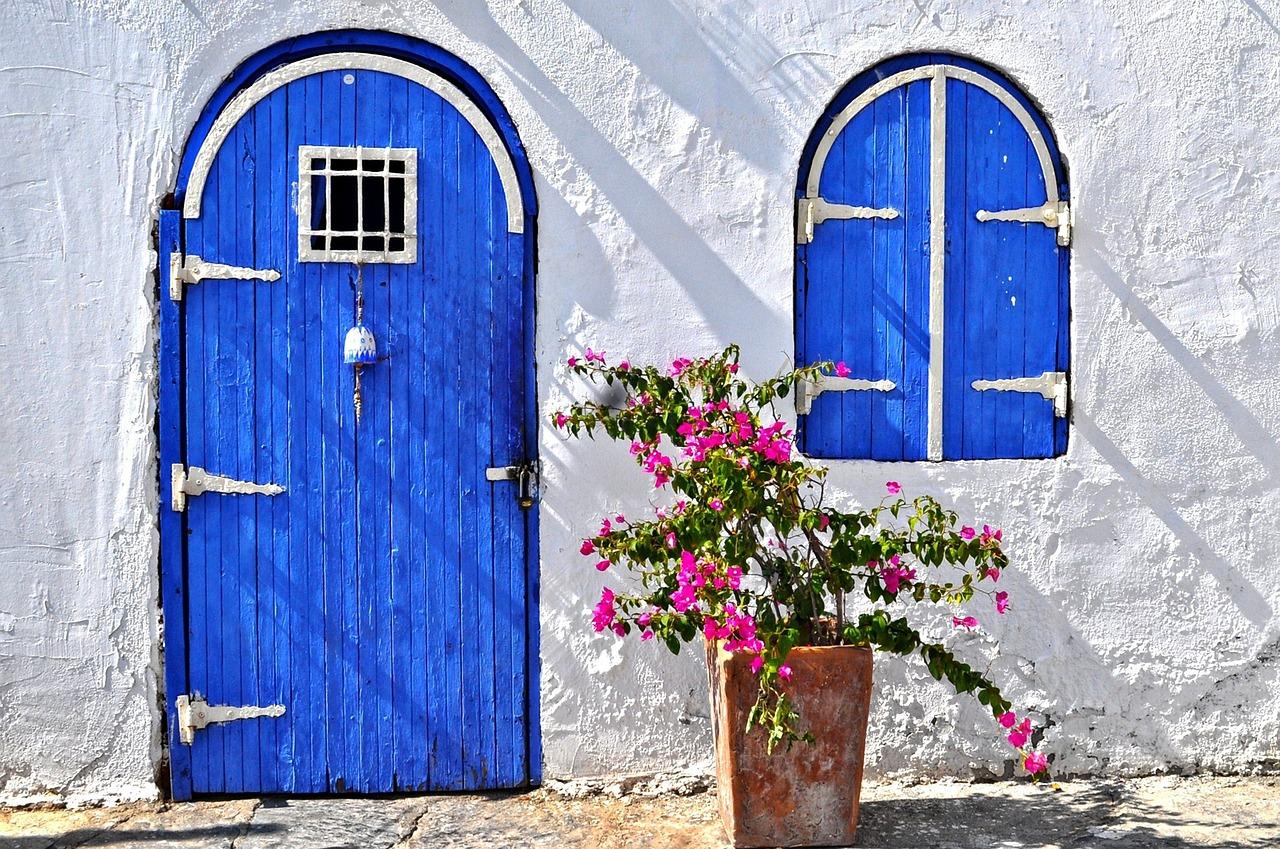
(380, 599)
(931, 258)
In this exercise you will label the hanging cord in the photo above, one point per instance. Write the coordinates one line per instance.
(356, 398)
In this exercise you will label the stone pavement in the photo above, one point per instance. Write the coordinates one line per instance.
(1172, 813)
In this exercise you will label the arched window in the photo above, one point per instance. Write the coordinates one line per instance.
(931, 257)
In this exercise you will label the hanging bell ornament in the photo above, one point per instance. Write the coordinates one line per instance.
(359, 350)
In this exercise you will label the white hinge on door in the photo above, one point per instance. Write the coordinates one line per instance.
(1051, 385)
(1056, 215)
(806, 392)
(197, 481)
(190, 270)
(526, 476)
(813, 211)
(195, 713)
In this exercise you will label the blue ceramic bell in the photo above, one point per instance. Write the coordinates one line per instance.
(360, 348)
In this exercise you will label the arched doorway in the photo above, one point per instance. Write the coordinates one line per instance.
(348, 548)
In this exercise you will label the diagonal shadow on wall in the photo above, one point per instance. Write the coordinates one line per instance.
(677, 246)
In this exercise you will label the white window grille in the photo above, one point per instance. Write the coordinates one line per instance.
(357, 204)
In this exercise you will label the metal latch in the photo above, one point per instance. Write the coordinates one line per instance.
(197, 482)
(1050, 215)
(526, 477)
(195, 713)
(806, 392)
(1051, 385)
(813, 211)
(192, 269)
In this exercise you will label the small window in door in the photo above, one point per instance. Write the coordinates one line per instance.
(357, 204)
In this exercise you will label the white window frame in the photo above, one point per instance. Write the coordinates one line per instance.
(307, 252)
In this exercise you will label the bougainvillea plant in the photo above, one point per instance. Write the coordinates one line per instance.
(746, 551)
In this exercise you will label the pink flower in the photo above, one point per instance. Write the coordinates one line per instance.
(604, 614)
(1008, 719)
(605, 527)
(967, 622)
(842, 370)
(588, 548)
(593, 357)
(561, 419)
(894, 487)
(671, 539)
(757, 663)
(784, 672)
(626, 366)
(734, 576)
(1002, 601)
(679, 365)
(967, 532)
(602, 565)
(646, 635)
(733, 368)
(716, 504)
(823, 522)
(993, 573)
(1035, 762)
(1018, 736)
(572, 362)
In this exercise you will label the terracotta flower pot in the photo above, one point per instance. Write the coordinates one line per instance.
(808, 795)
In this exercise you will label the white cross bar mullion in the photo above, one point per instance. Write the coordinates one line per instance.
(937, 252)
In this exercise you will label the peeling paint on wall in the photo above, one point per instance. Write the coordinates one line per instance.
(665, 135)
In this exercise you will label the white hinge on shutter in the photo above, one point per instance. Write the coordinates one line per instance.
(1051, 385)
(197, 482)
(1057, 215)
(190, 270)
(806, 392)
(195, 713)
(813, 211)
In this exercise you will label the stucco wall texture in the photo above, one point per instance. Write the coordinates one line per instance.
(665, 136)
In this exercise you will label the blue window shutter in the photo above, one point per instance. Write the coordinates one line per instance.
(1003, 279)
(866, 284)
(864, 287)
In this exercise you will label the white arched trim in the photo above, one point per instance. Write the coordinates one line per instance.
(925, 72)
(266, 84)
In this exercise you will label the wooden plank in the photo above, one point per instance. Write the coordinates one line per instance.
(914, 385)
(345, 510)
(450, 566)
(404, 347)
(437, 160)
(197, 309)
(267, 182)
(373, 486)
(240, 596)
(887, 178)
(172, 526)
(308, 429)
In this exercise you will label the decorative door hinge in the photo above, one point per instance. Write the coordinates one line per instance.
(526, 475)
(1051, 385)
(195, 713)
(197, 482)
(1056, 215)
(813, 211)
(192, 269)
(806, 392)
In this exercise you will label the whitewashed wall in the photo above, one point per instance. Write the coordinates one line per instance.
(665, 136)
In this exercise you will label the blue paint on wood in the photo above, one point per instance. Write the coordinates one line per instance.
(388, 597)
(863, 285)
(172, 543)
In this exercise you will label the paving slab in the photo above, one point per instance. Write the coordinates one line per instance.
(1158, 813)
